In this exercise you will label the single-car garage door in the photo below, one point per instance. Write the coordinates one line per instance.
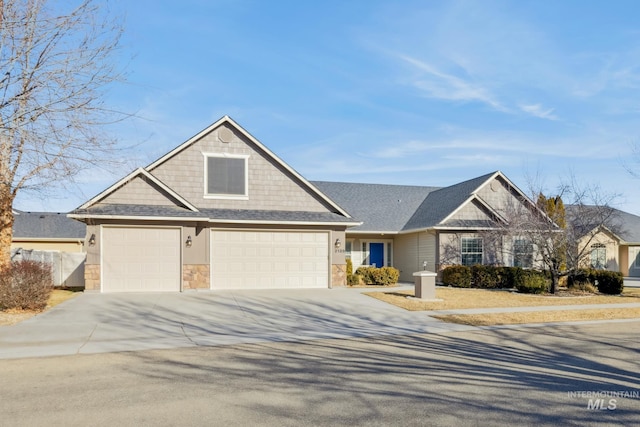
(140, 259)
(269, 259)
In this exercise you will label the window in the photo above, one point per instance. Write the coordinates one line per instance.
(347, 249)
(522, 253)
(598, 256)
(471, 250)
(635, 254)
(225, 176)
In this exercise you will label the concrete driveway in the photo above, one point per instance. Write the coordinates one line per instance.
(98, 323)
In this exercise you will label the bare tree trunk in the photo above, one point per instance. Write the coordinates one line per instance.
(6, 226)
(554, 282)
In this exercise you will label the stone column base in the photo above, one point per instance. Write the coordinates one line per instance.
(92, 277)
(338, 275)
(195, 276)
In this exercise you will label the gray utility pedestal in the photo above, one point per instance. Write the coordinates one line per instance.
(425, 285)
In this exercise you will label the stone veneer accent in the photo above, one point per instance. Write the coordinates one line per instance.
(195, 276)
(338, 275)
(92, 277)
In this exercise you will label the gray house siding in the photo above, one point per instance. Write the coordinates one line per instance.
(270, 187)
(412, 251)
(139, 191)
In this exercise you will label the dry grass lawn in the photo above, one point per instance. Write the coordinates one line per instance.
(491, 319)
(11, 317)
(456, 298)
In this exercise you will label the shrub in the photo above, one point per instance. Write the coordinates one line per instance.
(486, 276)
(532, 282)
(379, 276)
(26, 285)
(457, 275)
(609, 282)
(581, 278)
(511, 276)
(349, 267)
(354, 280)
(582, 287)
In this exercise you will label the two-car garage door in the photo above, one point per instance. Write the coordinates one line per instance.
(149, 259)
(140, 259)
(269, 259)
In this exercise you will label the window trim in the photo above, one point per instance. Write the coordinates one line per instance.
(462, 253)
(528, 254)
(222, 196)
(598, 249)
(636, 256)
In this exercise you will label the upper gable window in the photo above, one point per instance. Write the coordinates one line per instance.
(225, 176)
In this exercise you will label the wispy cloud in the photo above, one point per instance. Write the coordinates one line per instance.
(537, 110)
(438, 84)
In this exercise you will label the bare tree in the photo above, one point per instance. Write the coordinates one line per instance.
(56, 66)
(560, 237)
(544, 234)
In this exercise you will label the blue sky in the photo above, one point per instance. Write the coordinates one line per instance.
(397, 92)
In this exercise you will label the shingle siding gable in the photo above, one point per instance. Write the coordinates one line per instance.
(270, 186)
(139, 191)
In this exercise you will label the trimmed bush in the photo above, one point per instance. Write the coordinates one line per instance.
(349, 267)
(26, 285)
(379, 276)
(458, 276)
(609, 282)
(532, 282)
(511, 276)
(487, 276)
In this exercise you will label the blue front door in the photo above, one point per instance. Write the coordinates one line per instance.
(376, 254)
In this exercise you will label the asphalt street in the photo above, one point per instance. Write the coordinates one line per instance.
(578, 374)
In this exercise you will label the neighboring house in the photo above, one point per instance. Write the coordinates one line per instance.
(47, 231)
(220, 211)
(415, 228)
(616, 248)
(52, 238)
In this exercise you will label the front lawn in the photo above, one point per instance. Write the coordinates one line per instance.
(457, 299)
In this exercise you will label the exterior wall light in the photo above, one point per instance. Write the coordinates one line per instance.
(92, 240)
(189, 242)
(337, 244)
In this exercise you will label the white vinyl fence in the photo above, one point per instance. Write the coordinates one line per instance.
(67, 267)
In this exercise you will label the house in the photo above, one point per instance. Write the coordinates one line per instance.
(220, 211)
(417, 228)
(47, 231)
(52, 238)
(614, 248)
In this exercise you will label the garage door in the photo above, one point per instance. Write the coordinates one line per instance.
(269, 260)
(140, 259)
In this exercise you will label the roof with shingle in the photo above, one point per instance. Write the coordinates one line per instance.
(630, 227)
(164, 212)
(624, 225)
(381, 207)
(441, 203)
(395, 208)
(46, 225)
